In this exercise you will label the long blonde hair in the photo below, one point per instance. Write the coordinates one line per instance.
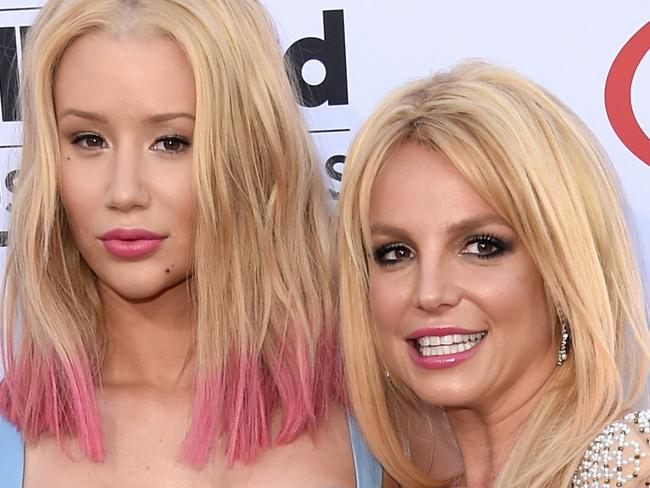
(261, 281)
(541, 169)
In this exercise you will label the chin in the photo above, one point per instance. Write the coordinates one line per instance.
(457, 393)
(142, 288)
(448, 400)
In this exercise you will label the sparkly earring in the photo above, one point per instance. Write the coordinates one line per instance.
(564, 342)
(387, 375)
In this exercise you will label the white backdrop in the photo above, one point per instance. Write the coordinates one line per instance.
(367, 47)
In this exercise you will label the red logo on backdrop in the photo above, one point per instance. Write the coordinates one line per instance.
(618, 94)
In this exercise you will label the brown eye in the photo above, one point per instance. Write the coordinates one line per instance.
(485, 246)
(94, 141)
(393, 254)
(401, 253)
(89, 141)
(171, 144)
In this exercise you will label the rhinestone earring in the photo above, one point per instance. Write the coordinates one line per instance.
(562, 354)
(387, 375)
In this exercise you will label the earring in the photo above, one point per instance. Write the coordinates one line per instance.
(564, 342)
(387, 375)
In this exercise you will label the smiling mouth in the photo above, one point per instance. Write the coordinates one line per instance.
(447, 344)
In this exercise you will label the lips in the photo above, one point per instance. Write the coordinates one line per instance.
(444, 346)
(131, 243)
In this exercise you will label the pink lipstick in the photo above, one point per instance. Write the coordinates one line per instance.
(131, 243)
(443, 346)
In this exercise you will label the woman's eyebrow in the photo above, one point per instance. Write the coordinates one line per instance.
(386, 229)
(457, 227)
(92, 116)
(471, 223)
(158, 118)
(97, 117)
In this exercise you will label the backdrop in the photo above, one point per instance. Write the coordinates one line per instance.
(352, 52)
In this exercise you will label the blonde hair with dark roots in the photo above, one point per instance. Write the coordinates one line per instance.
(261, 284)
(542, 170)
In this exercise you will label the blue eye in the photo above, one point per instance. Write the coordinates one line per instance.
(90, 141)
(171, 144)
(392, 254)
(485, 246)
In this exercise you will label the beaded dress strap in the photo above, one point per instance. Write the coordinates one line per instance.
(615, 456)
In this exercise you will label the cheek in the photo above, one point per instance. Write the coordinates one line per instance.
(518, 307)
(175, 192)
(78, 202)
(388, 303)
(81, 184)
(534, 308)
(186, 211)
(183, 233)
(174, 209)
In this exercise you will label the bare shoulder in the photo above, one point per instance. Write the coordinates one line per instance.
(619, 456)
(323, 459)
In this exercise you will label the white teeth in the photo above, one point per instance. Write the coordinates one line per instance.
(448, 340)
(448, 344)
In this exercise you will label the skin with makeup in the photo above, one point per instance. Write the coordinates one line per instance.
(135, 404)
(481, 238)
(445, 328)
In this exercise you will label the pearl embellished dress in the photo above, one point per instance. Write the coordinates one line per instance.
(617, 456)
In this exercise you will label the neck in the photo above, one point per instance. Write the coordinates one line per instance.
(486, 434)
(149, 341)
(432, 444)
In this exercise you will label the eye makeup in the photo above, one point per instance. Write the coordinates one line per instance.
(486, 246)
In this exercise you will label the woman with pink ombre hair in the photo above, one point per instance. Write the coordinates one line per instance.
(167, 297)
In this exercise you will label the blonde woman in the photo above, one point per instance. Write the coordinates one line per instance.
(167, 305)
(487, 280)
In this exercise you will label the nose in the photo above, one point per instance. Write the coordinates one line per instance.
(126, 189)
(437, 285)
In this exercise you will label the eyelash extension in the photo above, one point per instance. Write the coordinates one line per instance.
(501, 246)
(176, 137)
(80, 136)
(380, 252)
